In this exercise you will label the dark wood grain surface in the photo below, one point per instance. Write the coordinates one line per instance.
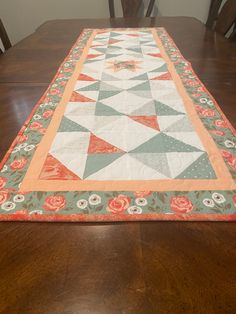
(141, 267)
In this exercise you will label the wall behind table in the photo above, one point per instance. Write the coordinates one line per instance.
(22, 17)
(196, 8)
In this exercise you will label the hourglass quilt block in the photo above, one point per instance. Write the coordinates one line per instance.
(125, 131)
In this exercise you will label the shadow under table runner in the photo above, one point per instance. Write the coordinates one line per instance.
(125, 131)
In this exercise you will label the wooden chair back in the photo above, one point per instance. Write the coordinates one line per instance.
(131, 8)
(4, 37)
(224, 20)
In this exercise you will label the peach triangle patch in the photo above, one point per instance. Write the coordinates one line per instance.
(163, 77)
(84, 77)
(150, 121)
(97, 45)
(54, 170)
(76, 97)
(157, 55)
(102, 31)
(93, 55)
(99, 146)
(113, 41)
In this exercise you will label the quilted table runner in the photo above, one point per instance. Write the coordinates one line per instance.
(125, 131)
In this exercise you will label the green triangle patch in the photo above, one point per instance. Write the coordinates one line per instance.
(110, 55)
(142, 93)
(162, 68)
(162, 143)
(164, 110)
(104, 110)
(182, 125)
(103, 50)
(147, 109)
(107, 77)
(157, 162)
(200, 169)
(114, 34)
(107, 94)
(113, 49)
(70, 126)
(92, 87)
(107, 87)
(95, 162)
(142, 86)
(142, 77)
(135, 49)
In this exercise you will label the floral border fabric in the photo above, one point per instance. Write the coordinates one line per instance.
(115, 206)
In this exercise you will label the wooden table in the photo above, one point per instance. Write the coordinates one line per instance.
(146, 267)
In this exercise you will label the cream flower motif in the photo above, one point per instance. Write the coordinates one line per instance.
(43, 105)
(132, 210)
(210, 103)
(218, 198)
(229, 144)
(7, 206)
(23, 145)
(36, 212)
(208, 202)
(203, 100)
(141, 201)
(4, 168)
(82, 204)
(18, 198)
(37, 117)
(94, 199)
(29, 147)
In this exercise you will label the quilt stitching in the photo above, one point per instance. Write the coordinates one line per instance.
(100, 92)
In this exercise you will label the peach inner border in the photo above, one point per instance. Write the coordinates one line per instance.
(32, 183)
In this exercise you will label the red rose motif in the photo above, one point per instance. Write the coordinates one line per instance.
(201, 89)
(42, 130)
(20, 213)
(234, 199)
(47, 114)
(232, 161)
(191, 83)
(181, 204)
(63, 83)
(67, 70)
(218, 133)
(207, 112)
(54, 91)
(22, 138)
(221, 124)
(198, 108)
(195, 95)
(3, 196)
(225, 154)
(18, 164)
(118, 204)
(2, 182)
(35, 125)
(54, 202)
(142, 193)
